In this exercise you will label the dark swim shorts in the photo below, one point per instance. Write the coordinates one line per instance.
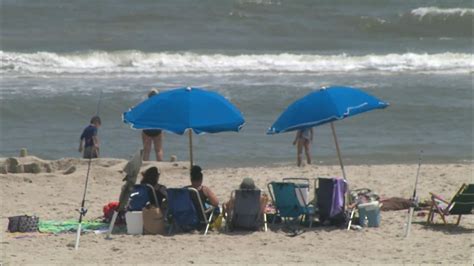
(152, 132)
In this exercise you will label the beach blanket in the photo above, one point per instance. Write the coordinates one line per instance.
(56, 227)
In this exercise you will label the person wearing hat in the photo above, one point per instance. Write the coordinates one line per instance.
(152, 137)
(247, 183)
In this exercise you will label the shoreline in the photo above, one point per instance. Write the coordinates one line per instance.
(263, 164)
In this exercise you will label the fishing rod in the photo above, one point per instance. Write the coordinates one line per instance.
(414, 199)
(83, 210)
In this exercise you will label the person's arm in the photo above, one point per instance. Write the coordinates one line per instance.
(162, 190)
(211, 196)
(298, 135)
(81, 145)
(95, 139)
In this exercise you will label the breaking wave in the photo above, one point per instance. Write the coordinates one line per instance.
(424, 21)
(423, 12)
(124, 62)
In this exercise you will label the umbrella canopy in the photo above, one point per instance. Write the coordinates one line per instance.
(184, 109)
(324, 106)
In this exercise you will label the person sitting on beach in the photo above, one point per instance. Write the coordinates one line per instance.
(152, 137)
(247, 183)
(303, 139)
(151, 177)
(89, 142)
(205, 193)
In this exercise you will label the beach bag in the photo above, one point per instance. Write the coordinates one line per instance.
(153, 221)
(23, 223)
(139, 198)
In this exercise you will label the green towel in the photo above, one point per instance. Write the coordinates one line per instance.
(56, 227)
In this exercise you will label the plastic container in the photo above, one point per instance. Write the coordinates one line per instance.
(134, 221)
(302, 193)
(370, 212)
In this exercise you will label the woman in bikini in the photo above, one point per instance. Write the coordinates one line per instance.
(152, 137)
(303, 139)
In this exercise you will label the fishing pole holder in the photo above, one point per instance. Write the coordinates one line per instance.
(82, 211)
(415, 203)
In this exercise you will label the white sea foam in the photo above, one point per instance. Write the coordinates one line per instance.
(136, 62)
(421, 12)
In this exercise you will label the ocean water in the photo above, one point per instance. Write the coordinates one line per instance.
(57, 57)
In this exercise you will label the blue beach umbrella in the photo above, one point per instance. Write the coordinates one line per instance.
(323, 106)
(186, 109)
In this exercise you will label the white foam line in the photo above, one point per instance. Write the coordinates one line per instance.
(136, 62)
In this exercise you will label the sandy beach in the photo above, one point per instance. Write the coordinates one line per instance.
(54, 195)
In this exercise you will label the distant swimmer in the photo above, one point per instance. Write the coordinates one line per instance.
(303, 139)
(89, 143)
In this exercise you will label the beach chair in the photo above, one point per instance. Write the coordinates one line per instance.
(330, 200)
(461, 204)
(185, 212)
(246, 213)
(289, 200)
(140, 197)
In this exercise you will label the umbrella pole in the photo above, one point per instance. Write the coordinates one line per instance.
(338, 150)
(190, 132)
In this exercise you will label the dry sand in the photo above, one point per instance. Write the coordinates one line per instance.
(55, 195)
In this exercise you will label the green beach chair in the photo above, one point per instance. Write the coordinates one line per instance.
(461, 204)
(289, 200)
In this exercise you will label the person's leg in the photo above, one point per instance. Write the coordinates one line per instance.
(307, 150)
(158, 143)
(146, 146)
(299, 152)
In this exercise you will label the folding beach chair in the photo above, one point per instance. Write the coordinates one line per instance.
(330, 199)
(140, 197)
(246, 213)
(462, 203)
(184, 212)
(290, 201)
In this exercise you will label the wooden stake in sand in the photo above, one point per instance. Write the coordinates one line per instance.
(338, 150)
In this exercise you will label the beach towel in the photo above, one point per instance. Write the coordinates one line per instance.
(57, 227)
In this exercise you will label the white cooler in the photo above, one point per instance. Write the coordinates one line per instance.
(134, 221)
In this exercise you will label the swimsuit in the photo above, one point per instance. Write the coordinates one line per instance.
(152, 132)
(306, 133)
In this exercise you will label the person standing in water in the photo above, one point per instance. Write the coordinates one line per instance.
(152, 137)
(303, 139)
(89, 142)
